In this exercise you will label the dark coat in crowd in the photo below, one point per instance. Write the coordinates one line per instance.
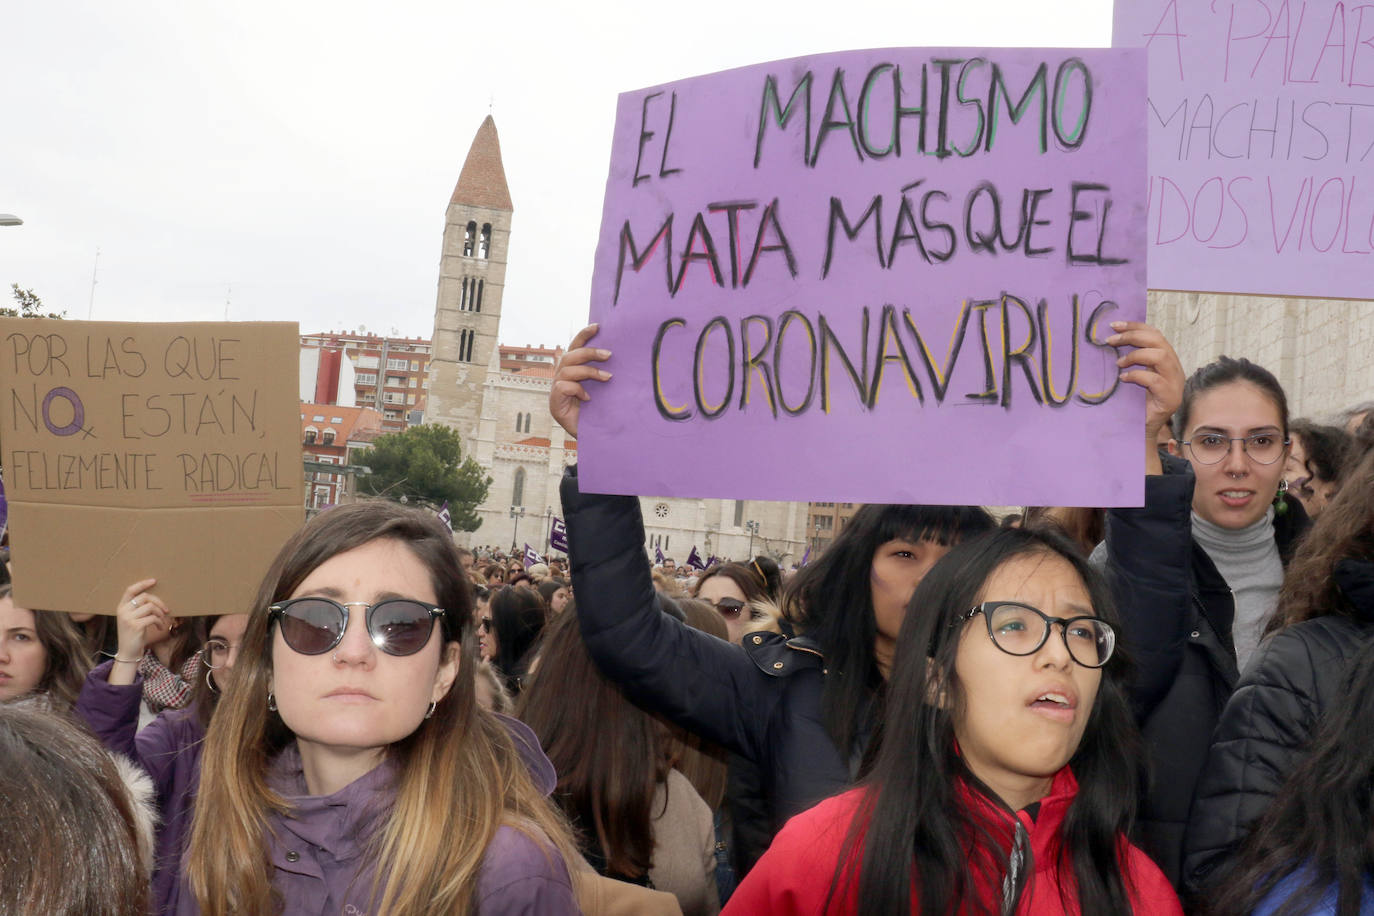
(761, 701)
(1176, 612)
(1265, 728)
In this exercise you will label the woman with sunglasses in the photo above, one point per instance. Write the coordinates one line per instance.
(168, 747)
(798, 709)
(1005, 781)
(350, 768)
(1197, 570)
(731, 588)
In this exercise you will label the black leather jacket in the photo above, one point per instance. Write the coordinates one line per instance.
(761, 701)
(1264, 730)
(1177, 613)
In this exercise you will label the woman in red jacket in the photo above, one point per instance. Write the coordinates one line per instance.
(1005, 782)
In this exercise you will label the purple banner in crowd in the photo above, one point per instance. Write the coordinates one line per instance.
(1261, 119)
(876, 276)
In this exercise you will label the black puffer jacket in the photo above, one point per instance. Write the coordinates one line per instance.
(1176, 612)
(762, 700)
(1268, 722)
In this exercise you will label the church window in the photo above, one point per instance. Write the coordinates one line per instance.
(465, 345)
(469, 239)
(739, 513)
(463, 299)
(517, 497)
(519, 418)
(484, 247)
(527, 422)
(477, 302)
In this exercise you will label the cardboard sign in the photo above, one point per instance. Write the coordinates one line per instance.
(875, 276)
(1261, 118)
(133, 451)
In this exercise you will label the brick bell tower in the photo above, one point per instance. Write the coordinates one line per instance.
(472, 277)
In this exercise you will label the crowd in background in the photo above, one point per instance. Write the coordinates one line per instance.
(1161, 709)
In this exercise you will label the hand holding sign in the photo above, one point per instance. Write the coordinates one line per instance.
(567, 393)
(1159, 372)
(139, 616)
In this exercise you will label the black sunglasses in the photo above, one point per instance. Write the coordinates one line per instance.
(313, 626)
(730, 608)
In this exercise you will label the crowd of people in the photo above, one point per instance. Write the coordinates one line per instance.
(1149, 710)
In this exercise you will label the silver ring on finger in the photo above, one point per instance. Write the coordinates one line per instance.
(134, 601)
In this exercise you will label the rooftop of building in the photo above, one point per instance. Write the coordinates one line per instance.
(482, 182)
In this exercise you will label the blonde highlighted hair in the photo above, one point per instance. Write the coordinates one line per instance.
(459, 776)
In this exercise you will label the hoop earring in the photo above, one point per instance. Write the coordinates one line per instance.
(429, 713)
(210, 683)
(271, 702)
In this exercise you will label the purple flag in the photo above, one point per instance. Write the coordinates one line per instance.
(806, 556)
(445, 517)
(531, 557)
(694, 560)
(558, 536)
(658, 557)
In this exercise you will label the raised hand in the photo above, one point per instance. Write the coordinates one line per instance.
(567, 394)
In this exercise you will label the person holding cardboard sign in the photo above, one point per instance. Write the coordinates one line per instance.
(1197, 570)
(802, 709)
(169, 747)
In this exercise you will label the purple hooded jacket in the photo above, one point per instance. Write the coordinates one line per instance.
(316, 853)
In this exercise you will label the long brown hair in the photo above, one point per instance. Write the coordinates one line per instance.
(66, 663)
(610, 755)
(460, 776)
(1345, 529)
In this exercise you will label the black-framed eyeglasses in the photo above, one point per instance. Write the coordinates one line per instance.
(1019, 629)
(215, 652)
(730, 608)
(313, 626)
(1263, 448)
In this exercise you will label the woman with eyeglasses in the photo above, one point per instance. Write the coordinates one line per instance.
(168, 747)
(350, 768)
(1325, 616)
(1196, 572)
(800, 709)
(731, 588)
(1005, 781)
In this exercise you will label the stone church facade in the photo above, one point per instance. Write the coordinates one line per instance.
(497, 399)
(1318, 348)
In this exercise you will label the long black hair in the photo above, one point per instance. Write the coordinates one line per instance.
(830, 602)
(1320, 821)
(914, 821)
(518, 616)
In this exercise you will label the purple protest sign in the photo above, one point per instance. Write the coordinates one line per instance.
(877, 276)
(1261, 119)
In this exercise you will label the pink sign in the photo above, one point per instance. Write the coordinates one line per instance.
(875, 276)
(1261, 119)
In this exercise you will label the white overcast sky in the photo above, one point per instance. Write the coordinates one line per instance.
(295, 158)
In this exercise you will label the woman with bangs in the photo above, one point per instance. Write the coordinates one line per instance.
(1005, 781)
(350, 768)
(797, 710)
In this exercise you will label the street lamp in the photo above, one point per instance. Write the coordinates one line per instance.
(548, 530)
(753, 528)
(517, 513)
(9, 219)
